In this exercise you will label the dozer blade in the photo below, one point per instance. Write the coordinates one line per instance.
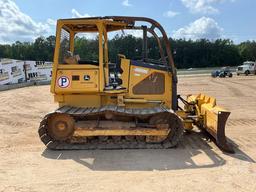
(213, 119)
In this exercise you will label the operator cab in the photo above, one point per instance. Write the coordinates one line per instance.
(84, 43)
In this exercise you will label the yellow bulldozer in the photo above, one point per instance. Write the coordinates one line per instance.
(127, 104)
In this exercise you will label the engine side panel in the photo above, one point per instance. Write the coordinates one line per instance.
(150, 84)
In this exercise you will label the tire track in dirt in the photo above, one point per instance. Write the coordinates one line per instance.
(237, 92)
(242, 122)
(245, 85)
(248, 142)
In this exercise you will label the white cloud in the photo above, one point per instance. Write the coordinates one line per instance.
(51, 22)
(126, 32)
(126, 3)
(135, 33)
(203, 6)
(204, 27)
(16, 25)
(171, 14)
(76, 14)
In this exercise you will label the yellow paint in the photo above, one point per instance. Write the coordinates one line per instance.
(99, 74)
(80, 100)
(81, 132)
(59, 98)
(78, 86)
(145, 72)
(102, 79)
(125, 65)
(93, 91)
(207, 111)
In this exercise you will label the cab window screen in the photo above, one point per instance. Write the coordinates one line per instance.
(64, 45)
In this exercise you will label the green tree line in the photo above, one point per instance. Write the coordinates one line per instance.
(186, 53)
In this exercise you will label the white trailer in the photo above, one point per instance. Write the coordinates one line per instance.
(17, 71)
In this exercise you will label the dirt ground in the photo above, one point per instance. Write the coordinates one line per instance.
(195, 165)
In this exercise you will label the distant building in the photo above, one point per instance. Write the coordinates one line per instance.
(17, 71)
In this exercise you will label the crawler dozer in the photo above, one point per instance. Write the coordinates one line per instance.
(126, 104)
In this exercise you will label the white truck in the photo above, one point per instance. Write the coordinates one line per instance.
(248, 67)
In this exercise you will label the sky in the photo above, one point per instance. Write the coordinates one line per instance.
(24, 20)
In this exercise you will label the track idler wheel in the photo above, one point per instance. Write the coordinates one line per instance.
(173, 122)
(60, 126)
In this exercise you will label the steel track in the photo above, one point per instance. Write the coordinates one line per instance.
(95, 143)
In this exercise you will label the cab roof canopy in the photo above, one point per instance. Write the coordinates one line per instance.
(90, 24)
(112, 23)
